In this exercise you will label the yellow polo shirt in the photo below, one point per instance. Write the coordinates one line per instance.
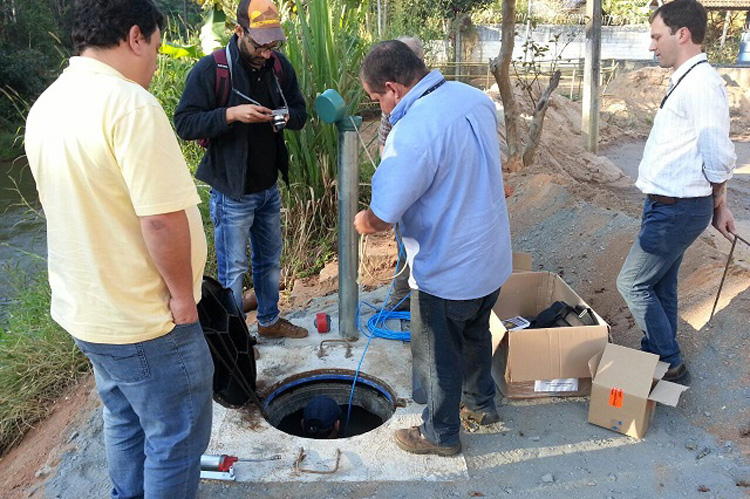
(103, 154)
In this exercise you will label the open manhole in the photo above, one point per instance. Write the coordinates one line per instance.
(373, 402)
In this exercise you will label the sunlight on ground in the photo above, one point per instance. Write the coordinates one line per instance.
(700, 314)
(492, 459)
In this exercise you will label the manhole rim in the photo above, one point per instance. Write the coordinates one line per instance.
(323, 374)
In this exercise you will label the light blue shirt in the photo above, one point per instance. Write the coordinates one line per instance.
(440, 178)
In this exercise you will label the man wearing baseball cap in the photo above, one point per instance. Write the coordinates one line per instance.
(321, 418)
(243, 117)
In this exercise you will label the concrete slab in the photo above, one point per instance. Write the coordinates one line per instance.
(246, 434)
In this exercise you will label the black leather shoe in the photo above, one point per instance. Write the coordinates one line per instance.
(677, 374)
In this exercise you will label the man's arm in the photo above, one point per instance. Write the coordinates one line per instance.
(723, 219)
(709, 114)
(167, 238)
(198, 115)
(365, 222)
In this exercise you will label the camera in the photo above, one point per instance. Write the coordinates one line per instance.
(278, 122)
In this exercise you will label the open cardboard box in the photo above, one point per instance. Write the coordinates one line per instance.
(529, 363)
(627, 385)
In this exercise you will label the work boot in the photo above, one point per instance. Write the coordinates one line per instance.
(412, 440)
(249, 301)
(677, 374)
(478, 417)
(282, 328)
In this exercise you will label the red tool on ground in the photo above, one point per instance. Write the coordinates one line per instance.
(322, 322)
(221, 467)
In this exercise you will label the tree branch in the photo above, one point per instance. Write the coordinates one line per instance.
(537, 121)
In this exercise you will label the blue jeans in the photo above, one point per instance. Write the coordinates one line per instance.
(451, 349)
(648, 279)
(157, 411)
(257, 217)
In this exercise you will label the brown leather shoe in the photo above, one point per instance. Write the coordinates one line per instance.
(282, 329)
(411, 440)
(249, 301)
(478, 417)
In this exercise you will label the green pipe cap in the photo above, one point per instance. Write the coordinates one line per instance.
(330, 106)
(349, 123)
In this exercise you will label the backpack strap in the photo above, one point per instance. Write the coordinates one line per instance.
(278, 69)
(221, 85)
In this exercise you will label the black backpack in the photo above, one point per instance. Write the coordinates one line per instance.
(560, 314)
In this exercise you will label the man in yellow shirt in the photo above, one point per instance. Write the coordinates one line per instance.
(126, 247)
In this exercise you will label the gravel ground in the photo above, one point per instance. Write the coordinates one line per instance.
(545, 448)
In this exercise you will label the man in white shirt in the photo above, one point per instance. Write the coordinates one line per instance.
(686, 163)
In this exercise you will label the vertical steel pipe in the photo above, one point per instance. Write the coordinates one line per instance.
(348, 195)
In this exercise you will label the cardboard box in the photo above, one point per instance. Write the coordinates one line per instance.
(627, 385)
(529, 363)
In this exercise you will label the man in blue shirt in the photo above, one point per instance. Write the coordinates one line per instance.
(440, 179)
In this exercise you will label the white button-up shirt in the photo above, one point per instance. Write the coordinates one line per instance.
(688, 148)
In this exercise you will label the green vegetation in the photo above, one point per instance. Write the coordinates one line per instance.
(38, 359)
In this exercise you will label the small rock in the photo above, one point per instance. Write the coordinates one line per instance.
(703, 453)
(591, 484)
(745, 431)
(707, 414)
(703, 488)
(612, 477)
(535, 438)
(43, 471)
(548, 478)
(691, 446)
(73, 436)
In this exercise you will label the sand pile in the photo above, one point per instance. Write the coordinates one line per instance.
(631, 100)
(561, 148)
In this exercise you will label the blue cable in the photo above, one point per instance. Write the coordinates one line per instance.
(378, 328)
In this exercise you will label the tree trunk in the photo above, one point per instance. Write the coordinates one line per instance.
(520, 152)
(501, 70)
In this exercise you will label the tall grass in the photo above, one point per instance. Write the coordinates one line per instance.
(325, 44)
(39, 358)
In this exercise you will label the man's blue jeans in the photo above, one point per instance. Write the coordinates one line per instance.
(451, 349)
(257, 217)
(648, 279)
(157, 411)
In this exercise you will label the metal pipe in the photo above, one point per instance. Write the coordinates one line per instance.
(348, 195)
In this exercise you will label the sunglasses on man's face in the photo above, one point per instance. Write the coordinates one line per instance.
(269, 46)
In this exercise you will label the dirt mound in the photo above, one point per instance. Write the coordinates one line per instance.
(631, 100)
(561, 148)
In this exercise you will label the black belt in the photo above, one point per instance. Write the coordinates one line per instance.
(670, 200)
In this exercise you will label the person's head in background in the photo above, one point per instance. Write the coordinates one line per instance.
(414, 43)
(321, 418)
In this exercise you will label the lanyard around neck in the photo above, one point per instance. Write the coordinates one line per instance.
(678, 82)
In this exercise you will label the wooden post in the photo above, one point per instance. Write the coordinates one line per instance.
(591, 72)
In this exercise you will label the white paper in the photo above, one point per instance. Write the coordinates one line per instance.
(556, 385)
